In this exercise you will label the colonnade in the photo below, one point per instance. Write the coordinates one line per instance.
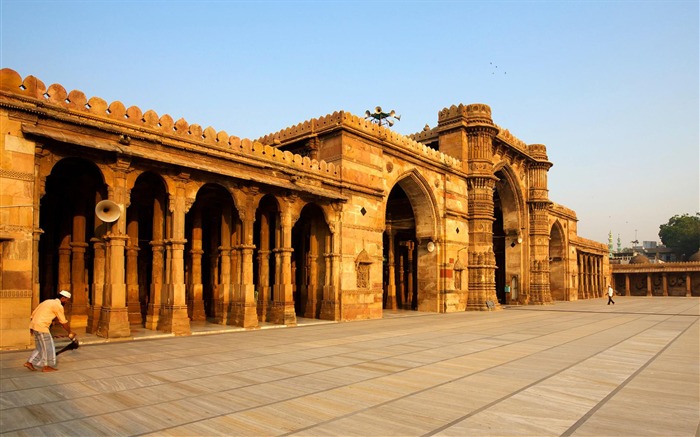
(591, 279)
(177, 260)
(650, 278)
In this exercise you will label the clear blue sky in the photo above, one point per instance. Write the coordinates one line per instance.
(611, 88)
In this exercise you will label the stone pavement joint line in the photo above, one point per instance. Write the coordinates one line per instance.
(572, 368)
(583, 419)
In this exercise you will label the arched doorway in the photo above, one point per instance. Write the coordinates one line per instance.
(399, 249)
(409, 252)
(212, 226)
(507, 237)
(66, 247)
(265, 240)
(145, 252)
(557, 263)
(310, 239)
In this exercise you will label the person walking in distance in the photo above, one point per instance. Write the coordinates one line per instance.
(610, 295)
(40, 322)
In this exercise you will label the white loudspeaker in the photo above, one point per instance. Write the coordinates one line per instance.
(108, 211)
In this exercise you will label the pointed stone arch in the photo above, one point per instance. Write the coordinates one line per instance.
(311, 240)
(423, 202)
(72, 187)
(512, 194)
(266, 260)
(509, 231)
(558, 276)
(410, 256)
(212, 231)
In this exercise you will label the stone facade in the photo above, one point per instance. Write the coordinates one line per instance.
(335, 218)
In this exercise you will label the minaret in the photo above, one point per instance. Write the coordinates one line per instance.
(538, 204)
(610, 245)
(467, 133)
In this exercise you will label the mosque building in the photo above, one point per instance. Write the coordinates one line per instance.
(156, 223)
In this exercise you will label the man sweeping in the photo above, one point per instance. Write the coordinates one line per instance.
(41, 319)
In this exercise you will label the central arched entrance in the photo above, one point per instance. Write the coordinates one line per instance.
(507, 237)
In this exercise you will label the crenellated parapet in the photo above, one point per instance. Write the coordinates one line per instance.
(589, 245)
(475, 113)
(562, 211)
(31, 94)
(478, 115)
(510, 139)
(330, 122)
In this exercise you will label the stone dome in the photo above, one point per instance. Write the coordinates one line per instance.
(639, 259)
(695, 256)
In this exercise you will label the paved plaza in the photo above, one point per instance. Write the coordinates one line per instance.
(569, 369)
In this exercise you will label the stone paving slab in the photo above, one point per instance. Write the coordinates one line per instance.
(569, 369)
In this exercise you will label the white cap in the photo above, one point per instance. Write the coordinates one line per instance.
(64, 293)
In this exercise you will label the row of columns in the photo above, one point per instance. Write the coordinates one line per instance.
(173, 298)
(591, 280)
(664, 282)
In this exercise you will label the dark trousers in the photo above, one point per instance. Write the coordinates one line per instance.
(610, 300)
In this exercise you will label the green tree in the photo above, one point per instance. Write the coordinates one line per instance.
(682, 234)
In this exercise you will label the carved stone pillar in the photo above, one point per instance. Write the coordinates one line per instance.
(262, 294)
(331, 308)
(391, 271)
(244, 305)
(480, 132)
(195, 303)
(157, 244)
(263, 291)
(64, 267)
(410, 247)
(664, 278)
(173, 316)
(79, 307)
(312, 285)
(226, 278)
(538, 202)
(98, 284)
(79, 288)
(132, 271)
(482, 260)
(282, 307)
(114, 316)
(156, 286)
(402, 282)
